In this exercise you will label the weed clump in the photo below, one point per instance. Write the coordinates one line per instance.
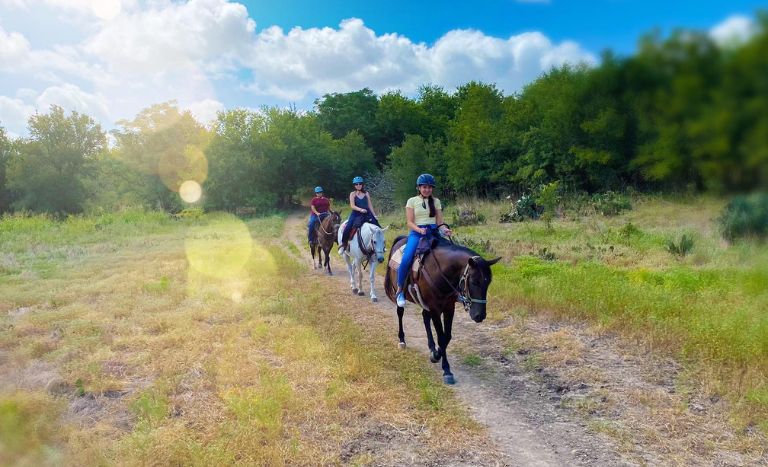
(610, 203)
(744, 217)
(680, 248)
(467, 215)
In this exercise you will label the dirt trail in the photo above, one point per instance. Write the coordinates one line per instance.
(522, 416)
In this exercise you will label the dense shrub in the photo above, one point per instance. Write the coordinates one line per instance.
(745, 216)
(610, 203)
(467, 215)
(522, 209)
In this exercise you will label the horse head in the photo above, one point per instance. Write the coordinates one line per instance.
(474, 286)
(336, 222)
(377, 241)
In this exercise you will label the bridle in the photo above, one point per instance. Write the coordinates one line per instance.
(462, 291)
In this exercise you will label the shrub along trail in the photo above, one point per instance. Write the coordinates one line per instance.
(561, 393)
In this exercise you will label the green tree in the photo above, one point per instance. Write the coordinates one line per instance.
(6, 148)
(48, 173)
(166, 146)
(340, 113)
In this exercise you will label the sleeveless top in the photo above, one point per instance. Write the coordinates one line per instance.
(361, 203)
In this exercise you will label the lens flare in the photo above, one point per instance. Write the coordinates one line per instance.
(175, 168)
(190, 191)
(221, 248)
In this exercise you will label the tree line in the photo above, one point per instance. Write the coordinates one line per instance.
(682, 113)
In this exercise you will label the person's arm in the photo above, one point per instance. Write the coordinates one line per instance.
(312, 208)
(410, 218)
(439, 220)
(370, 204)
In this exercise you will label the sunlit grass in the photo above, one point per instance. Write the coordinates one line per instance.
(125, 353)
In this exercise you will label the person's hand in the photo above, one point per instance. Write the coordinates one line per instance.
(446, 231)
(423, 230)
(364, 211)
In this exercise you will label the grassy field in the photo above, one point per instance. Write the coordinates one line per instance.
(134, 339)
(708, 308)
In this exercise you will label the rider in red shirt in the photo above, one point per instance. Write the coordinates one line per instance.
(320, 205)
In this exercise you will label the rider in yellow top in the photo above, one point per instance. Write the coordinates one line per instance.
(423, 213)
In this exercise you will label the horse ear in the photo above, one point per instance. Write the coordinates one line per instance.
(493, 261)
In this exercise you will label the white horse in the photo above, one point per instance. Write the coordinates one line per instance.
(372, 237)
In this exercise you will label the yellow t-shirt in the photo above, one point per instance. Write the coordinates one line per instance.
(421, 209)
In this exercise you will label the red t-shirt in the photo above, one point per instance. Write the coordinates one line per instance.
(321, 204)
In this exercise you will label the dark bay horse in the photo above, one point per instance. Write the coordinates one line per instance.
(325, 235)
(450, 273)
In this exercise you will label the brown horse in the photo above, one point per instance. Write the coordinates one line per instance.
(450, 273)
(325, 234)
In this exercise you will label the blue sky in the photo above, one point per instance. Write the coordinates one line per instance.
(112, 58)
(596, 24)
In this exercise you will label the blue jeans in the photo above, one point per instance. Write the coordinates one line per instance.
(409, 252)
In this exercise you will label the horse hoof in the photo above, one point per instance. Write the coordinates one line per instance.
(330, 273)
(434, 357)
(354, 291)
(374, 300)
(401, 345)
(360, 292)
(449, 379)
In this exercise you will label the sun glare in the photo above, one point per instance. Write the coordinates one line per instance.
(176, 168)
(221, 248)
(190, 191)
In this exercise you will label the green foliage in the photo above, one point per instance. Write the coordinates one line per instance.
(610, 203)
(548, 198)
(682, 247)
(6, 149)
(48, 172)
(745, 216)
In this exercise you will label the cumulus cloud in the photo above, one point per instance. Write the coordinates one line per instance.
(210, 33)
(14, 114)
(13, 49)
(316, 61)
(205, 110)
(735, 29)
(134, 53)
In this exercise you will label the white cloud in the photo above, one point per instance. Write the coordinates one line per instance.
(205, 111)
(735, 29)
(103, 9)
(14, 114)
(71, 97)
(13, 49)
(208, 33)
(316, 61)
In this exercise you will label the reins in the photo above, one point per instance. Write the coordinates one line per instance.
(462, 291)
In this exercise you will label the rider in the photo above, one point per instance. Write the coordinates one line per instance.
(319, 207)
(362, 211)
(423, 214)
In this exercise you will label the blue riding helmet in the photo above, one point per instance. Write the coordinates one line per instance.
(425, 179)
(318, 189)
(358, 180)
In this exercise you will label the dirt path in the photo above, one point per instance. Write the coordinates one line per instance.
(523, 416)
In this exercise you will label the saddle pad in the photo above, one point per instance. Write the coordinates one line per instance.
(397, 258)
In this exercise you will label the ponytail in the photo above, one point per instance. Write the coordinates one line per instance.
(432, 210)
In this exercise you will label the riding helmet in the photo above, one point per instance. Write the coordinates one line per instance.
(358, 180)
(425, 179)
(318, 189)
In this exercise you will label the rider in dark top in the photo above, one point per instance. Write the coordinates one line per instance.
(319, 207)
(362, 211)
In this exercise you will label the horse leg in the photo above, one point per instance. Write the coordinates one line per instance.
(434, 355)
(328, 261)
(351, 270)
(312, 250)
(359, 266)
(443, 347)
(372, 276)
(400, 332)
